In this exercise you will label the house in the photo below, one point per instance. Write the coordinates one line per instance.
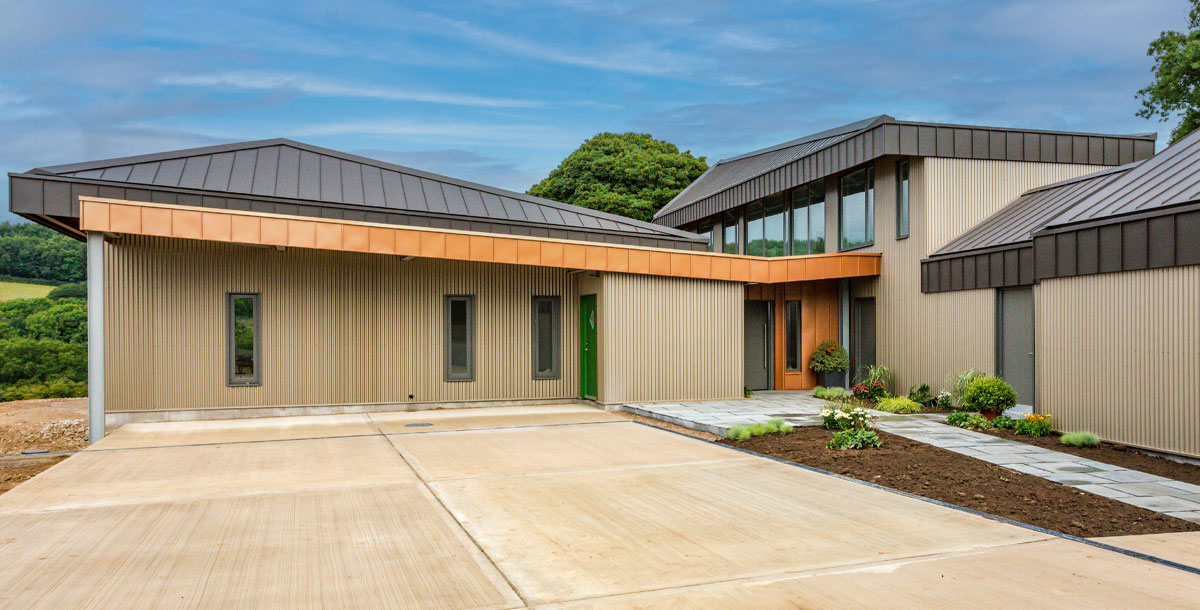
(1102, 328)
(274, 277)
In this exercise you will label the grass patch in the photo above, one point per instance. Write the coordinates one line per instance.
(898, 404)
(1080, 439)
(21, 290)
(748, 431)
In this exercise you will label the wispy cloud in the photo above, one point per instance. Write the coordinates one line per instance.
(309, 85)
(456, 130)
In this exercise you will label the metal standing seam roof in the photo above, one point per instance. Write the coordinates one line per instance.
(1168, 178)
(286, 169)
(739, 180)
(735, 170)
(1017, 221)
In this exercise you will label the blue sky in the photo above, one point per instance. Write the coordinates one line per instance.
(500, 91)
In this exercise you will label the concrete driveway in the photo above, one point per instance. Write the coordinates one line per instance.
(511, 507)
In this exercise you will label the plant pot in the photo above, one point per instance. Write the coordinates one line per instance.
(990, 415)
(833, 379)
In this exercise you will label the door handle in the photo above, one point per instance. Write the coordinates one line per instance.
(766, 352)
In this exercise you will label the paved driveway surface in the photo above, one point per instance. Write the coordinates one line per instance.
(511, 507)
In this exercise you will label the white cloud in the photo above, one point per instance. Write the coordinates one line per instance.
(259, 81)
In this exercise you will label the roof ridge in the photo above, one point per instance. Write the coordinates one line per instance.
(858, 125)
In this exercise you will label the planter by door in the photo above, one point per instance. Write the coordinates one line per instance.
(833, 379)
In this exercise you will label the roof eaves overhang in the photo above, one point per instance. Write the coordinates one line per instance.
(22, 203)
(256, 228)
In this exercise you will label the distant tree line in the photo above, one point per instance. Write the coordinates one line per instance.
(31, 251)
(43, 346)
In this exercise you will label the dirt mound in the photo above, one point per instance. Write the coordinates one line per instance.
(54, 424)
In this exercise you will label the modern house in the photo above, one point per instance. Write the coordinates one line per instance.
(275, 277)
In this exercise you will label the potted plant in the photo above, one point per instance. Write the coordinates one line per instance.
(831, 362)
(989, 395)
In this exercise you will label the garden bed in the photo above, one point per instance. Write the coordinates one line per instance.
(1117, 455)
(950, 477)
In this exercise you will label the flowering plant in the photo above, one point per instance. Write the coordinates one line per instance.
(870, 390)
(857, 418)
(1033, 424)
(829, 357)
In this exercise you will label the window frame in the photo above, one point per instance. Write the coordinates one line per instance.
(447, 301)
(868, 209)
(556, 336)
(232, 379)
(903, 199)
(732, 221)
(755, 212)
(803, 200)
(793, 341)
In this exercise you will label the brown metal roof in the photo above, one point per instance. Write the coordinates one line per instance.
(1016, 222)
(288, 177)
(1171, 177)
(740, 180)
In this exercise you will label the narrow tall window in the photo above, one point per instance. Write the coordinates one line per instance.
(547, 337)
(459, 338)
(707, 231)
(808, 218)
(774, 226)
(791, 310)
(902, 205)
(755, 242)
(856, 209)
(244, 338)
(729, 242)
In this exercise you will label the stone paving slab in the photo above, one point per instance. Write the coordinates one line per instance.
(1175, 498)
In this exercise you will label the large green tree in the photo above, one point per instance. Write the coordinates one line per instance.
(32, 251)
(630, 174)
(1176, 87)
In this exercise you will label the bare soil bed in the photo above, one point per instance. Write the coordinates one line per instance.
(52, 424)
(943, 475)
(1117, 455)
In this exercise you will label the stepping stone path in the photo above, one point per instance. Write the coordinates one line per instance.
(1149, 491)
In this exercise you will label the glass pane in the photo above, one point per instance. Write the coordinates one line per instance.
(800, 229)
(244, 321)
(792, 330)
(853, 213)
(459, 347)
(816, 228)
(774, 232)
(902, 199)
(870, 216)
(731, 239)
(754, 231)
(544, 329)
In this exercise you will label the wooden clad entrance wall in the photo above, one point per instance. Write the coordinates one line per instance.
(818, 320)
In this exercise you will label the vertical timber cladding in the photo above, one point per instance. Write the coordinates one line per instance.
(1119, 354)
(338, 327)
(818, 321)
(924, 338)
(664, 338)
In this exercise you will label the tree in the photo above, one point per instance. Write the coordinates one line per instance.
(32, 251)
(629, 174)
(1176, 86)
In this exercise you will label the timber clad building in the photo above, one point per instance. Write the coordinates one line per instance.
(276, 277)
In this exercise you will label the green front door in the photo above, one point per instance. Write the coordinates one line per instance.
(588, 368)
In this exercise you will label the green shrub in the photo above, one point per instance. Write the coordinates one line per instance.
(898, 405)
(876, 373)
(989, 394)
(56, 388)
(1003, 422)
(1080, 439)
(65, 321)
(25, 360)
(829, 357)
(958, 385)
(747, 392)
(777, 426)
(1033, 425)
(738, 433)
(854, 439)
(920, 394)
(970, 421)
(73, 290)
(744, 432)
(831, 393)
